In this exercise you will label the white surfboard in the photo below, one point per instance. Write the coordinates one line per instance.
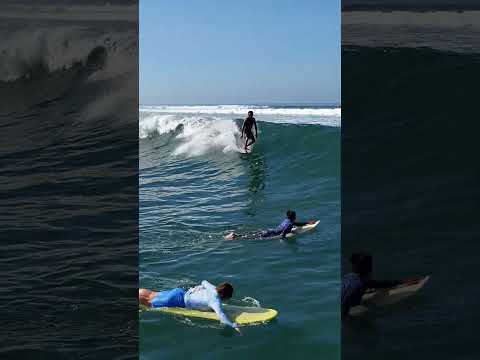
(395, 294)
(388, 296)
(295, 231)
(301, 229)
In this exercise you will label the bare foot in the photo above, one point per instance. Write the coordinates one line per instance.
(230, 236)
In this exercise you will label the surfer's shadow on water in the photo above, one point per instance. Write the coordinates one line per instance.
(257, 173)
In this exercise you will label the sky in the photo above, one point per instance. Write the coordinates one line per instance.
(239, 52)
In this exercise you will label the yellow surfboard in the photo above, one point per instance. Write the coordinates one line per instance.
(238, 314)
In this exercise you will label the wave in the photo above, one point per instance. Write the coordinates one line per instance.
(243, 109)
(196, 136)
(278, 115)
(69, 12)
(439, 30)
(27, 51)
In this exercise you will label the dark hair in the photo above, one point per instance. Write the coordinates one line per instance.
(291, 214)
(250, 112)
(225, 290)
(362, 263)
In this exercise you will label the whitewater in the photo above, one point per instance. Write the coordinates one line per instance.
(208, 128)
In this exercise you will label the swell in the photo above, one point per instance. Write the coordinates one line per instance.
(410, 186)
(189, 201)
(185, 196)
(69, 175)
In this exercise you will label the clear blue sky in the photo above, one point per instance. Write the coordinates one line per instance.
(239, 52)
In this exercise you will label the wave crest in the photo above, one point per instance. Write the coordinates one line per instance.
(243, 109)
(27, 51)
(196, 135)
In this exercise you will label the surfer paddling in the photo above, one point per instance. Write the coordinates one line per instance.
(283, 229)
(203, 297)
(248, 124)
(356, 283)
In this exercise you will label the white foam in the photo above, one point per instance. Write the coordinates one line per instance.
(159, 124)
(251, 301)
(199, 135)
(315, 116)
(243, 109)
(24, 49)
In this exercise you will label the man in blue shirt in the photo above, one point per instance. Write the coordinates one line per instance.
(285, 227)
(356, 283)
(281, 230)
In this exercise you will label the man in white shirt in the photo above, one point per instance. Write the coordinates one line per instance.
(203, 297)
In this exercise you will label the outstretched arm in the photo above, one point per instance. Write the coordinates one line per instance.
(243, 129)
(217, 307)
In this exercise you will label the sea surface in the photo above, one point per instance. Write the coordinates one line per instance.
(68, 179)
(410, 177)
(195, 187)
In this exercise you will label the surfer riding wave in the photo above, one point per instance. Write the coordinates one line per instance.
(248, 124)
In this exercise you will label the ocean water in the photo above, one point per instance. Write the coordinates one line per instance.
(69, 175)
(195, 187)
(410, 177)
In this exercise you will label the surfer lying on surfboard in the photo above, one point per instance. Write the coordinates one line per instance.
(281, 230)
(248, 124)
(356, 283)
(203, 297)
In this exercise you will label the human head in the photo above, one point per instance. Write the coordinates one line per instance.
(144, 296)
(250, 113)
(291, 215)
(225, 291)
(362, 263)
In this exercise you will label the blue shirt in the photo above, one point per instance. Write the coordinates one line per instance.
(353, 289)
(283, 229)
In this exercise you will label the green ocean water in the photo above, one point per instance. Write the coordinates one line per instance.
(195, 186)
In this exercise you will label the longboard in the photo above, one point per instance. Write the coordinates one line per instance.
(243, 315)
(393, 295)
(388, 296)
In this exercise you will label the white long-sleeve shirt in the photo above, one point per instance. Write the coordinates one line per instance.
(205, 297)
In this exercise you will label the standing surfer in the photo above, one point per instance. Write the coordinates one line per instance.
(248, 124)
